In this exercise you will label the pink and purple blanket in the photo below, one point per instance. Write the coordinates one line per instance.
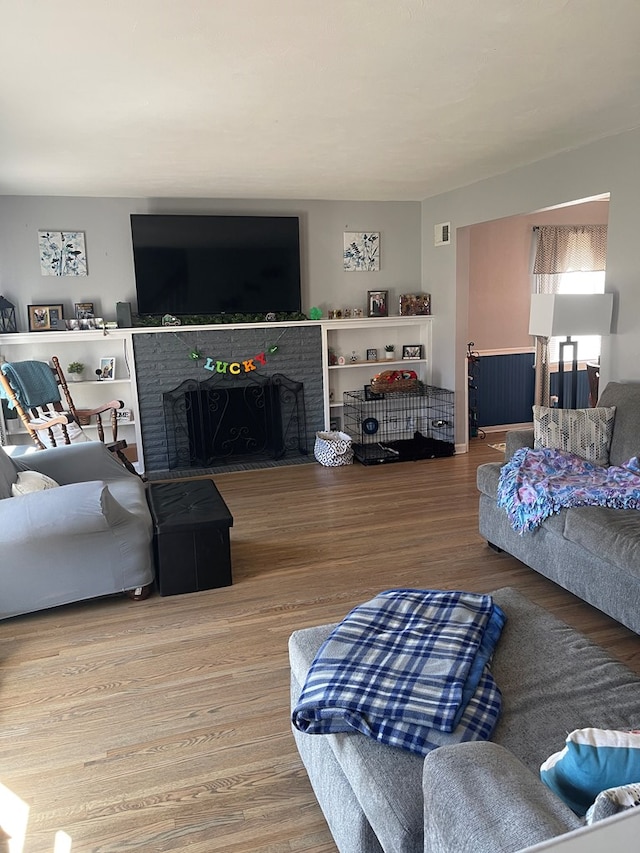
(536, 483)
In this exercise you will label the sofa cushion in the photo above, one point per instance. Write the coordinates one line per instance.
(585, 432)
(612, 534)
(8, 474)
(591, 761)
(625, 442)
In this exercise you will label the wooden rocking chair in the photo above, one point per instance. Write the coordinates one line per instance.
(33, 390)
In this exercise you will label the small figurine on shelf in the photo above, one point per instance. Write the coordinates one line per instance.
(354, 356)
(389, 351)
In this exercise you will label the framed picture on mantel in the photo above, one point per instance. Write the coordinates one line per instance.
(378, 303)
(44, 318)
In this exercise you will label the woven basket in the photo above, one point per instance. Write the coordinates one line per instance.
(333, 448)
(395, 382)
(400, 386)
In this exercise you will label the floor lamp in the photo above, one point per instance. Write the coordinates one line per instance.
(555, 314)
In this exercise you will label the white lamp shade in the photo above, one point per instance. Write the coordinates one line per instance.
(553, 314)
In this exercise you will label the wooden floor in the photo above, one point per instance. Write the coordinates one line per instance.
(164, 725)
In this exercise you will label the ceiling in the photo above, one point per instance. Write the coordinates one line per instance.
(333, 99)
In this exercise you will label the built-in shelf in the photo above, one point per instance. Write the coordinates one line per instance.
(387, 361)
(104, 382)
(344, 337)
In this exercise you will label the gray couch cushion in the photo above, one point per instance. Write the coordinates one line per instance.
(611, 534)
(8, 475)
(625, 396)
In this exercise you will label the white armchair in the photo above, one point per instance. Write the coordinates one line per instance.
(91, 536)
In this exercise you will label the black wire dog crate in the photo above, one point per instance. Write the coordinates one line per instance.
(400, 426)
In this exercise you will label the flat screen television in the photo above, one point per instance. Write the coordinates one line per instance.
(210, 264)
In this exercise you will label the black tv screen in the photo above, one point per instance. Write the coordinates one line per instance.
(209, 264)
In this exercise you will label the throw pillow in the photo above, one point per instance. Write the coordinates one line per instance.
(613, 801)
(8, 474)
(592, 761)
(31, 481)
(585, 432)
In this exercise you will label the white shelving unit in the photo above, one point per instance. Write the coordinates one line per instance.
(340, 336)
(344, 337)
(87, 347)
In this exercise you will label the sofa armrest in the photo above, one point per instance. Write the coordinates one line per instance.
(74, 463)
(515, 439)
(479, 798)
(56, 514)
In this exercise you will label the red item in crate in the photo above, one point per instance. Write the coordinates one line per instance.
(390, 381)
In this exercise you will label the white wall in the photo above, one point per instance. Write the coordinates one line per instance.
(609, 165)
(106, 225)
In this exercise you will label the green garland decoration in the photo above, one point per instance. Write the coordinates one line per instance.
(222, 366)
(151, 320)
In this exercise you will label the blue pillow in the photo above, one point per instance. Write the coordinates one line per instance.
(592, 761)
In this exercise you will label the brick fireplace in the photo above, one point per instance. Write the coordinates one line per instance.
(164, 362)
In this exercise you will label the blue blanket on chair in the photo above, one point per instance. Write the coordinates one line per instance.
(33, 383)
(408, 668)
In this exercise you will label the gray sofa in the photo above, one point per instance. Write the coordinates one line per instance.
(482, 797)
(90, 537)
(594, 552)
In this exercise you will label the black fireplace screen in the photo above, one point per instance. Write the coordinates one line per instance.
(234, 418)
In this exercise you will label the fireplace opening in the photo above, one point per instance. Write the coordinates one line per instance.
(232, 419)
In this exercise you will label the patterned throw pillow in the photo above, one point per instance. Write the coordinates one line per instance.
(613, 801)
(585, 432)
(592, 761)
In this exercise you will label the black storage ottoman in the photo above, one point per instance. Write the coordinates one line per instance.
(191, 541)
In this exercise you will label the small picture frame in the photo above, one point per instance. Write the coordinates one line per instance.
(378, 303)
(372, 354)
(415, 304)
(83, 310)
(123, 415)
(44, 318)
(107, 369)
(411, 351)
(370, 395)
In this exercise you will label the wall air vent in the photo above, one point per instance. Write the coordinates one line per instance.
(442, 235)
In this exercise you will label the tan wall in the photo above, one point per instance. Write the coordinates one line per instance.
(500, 279)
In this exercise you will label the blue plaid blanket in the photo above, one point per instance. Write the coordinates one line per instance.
(408, 668)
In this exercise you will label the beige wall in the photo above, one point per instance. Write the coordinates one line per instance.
(500, 255)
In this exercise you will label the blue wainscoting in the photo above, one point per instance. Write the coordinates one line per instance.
(506, 387)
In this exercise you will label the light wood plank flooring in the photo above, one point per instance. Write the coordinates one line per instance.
(164, 725)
